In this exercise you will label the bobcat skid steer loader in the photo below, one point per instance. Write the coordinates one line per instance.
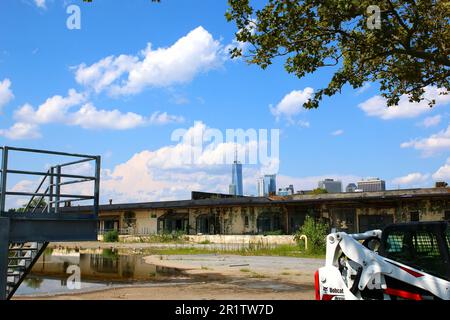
(405, 261)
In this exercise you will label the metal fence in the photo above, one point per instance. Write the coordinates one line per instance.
(48, 197)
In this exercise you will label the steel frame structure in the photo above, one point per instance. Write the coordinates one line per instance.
(42, 224)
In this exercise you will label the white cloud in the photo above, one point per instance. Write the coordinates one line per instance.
(103, 73)
(6, 94)
(89, 117)
(20, 131)
(337, 132)
(40, 3)
(443, 173)
(433, 144)
(431, 121)
(191, 55)
(57, 109)
(167, 173)
(54, 109)
(411, 180)
(377, 106)
(292, 103)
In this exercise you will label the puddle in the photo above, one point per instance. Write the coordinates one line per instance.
(97, 271)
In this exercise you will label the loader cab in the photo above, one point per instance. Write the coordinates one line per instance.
(421, 245)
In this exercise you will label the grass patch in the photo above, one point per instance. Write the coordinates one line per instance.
(285, 273)
(205, 268)
(280, 250)
(205, 242)
(176, 237)
(244, 270)
(257, 275)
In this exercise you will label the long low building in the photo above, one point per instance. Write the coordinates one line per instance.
(215, 214)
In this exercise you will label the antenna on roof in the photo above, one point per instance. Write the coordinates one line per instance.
(235, 153)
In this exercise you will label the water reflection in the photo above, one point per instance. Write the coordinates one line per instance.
(98, 270)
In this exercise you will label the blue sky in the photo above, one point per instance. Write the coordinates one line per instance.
(103, 90)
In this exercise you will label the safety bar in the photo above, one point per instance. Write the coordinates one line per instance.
(53, 178)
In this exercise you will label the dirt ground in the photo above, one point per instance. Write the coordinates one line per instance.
(215, 277)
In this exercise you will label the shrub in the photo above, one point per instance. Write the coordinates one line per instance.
(111, 236)
(316, 232)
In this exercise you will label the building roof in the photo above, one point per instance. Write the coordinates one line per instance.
(293, 199)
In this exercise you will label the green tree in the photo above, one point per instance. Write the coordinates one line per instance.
(319, 191)
(316, 231)
(35, 203)
(409, 51)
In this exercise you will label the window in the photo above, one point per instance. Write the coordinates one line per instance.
(447, 215)
(246, 221)
(414, 216)
(372, 222)
(418, 249)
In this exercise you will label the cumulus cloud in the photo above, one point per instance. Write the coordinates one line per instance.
(443, 173)
(173, 171)
(103, 73)
(58, 109)
(377, 106)
(411, 180)
(292, 103)
(432, 145)
(20, 131)
(54, 109)
(89, 117)
(189, 56)
(6, 94)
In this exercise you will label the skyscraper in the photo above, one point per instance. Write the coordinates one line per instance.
(236, 187)
(270, 184)
(331, 185)
(260, 187)
(372, 185)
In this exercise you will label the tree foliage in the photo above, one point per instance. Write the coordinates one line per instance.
(316, 231)
(34, 205)
(319, 191)
(408, 53)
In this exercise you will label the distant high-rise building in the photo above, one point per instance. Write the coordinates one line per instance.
(372, 185)
(351, 187)
(236, 187)
(270, 184)
(291, 188)
(260, 187)
(288, 191)
(232, 189)
(331, 185)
